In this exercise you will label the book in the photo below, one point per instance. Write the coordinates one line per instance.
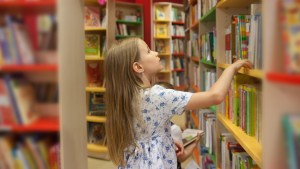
(190, 135)
(91, 16)
(96, 133)
(161, 30)
(93, 74)
(160, 14)
(96, 104)
(160, 46)
(92, 44)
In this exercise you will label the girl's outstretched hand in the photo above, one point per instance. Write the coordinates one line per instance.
(242, 63)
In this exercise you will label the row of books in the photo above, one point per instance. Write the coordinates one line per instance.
(96, 104)
(243, 37)
(96, 133)
(193, 47)
(29, 152)
(94, 78)
(233, 155)
(134, 16)
(196, 75)
(19, 99)
(177, 63)
(177, 46)
(95, 45)
(16, 45)
(94, 17)
(126, 30)
(177, 30)
(195, 15)
(177, 15)
(207, 44)
(178, 79)
(205, 5)
(209, 77)
(243, 106)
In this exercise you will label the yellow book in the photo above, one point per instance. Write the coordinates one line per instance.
(161, 30)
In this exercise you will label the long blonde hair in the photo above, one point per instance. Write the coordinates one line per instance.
(122, 93)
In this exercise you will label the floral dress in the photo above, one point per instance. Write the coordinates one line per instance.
(155, 148)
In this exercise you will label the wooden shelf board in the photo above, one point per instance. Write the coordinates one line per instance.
(164, 54)
(129, 22)
(283, 78)
(96, 119)
(195, 58)
(161, 37)
(127, 36)
(95, 89)
(250, 72)
(162, 20)
(195, 88)
(97, 148)
(236, 3)
(95, 29)
(250, 144)
(177, 23)
(208, 63)
(28, 68)
(209, 16)
(43, 125)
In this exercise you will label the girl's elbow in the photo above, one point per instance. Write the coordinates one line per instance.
(217, 98)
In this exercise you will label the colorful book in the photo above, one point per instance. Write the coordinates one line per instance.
(92, 44)
(91, 16)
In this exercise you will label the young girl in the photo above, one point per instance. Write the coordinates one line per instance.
(137, 124)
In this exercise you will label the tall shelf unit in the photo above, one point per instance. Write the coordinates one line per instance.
(168, 41)
(129, 20)
(94, 59)
(29, 117)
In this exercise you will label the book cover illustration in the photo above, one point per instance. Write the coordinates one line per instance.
(96, 104)
(91, 16)
(93, 74)
(161, 30)
(92, 44)
(96, 133)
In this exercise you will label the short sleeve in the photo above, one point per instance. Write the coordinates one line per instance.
(171, 102)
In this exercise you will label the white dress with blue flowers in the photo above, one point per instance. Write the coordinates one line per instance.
(156, 149)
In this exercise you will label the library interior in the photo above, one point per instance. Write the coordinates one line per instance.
(226, 95)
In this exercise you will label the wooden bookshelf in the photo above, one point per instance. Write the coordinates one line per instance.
(94, 58)
(283, 78)
(250, 144)
(29, 68)
(128, 20)
(236, 3)
(95, 29)
(95, 89)
(250, 72)
(96, 119)
(165, 21)
(97, 148)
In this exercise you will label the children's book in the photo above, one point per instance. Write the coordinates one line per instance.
(92, 44)
(161, 30)
(190, 135)
(96, 133)
(93, 74)
(160, 15)
(96, 104)
(91, 16)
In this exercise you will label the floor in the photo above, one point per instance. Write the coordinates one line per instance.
(94, 163)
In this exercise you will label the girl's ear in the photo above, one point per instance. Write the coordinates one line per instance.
(137, 67)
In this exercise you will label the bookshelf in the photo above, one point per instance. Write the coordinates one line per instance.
(129, 20)
(168, 31)
(28, 64)
(250, 142)
(95, 108)
(280, 90)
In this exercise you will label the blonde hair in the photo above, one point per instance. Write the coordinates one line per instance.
(122, 96)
